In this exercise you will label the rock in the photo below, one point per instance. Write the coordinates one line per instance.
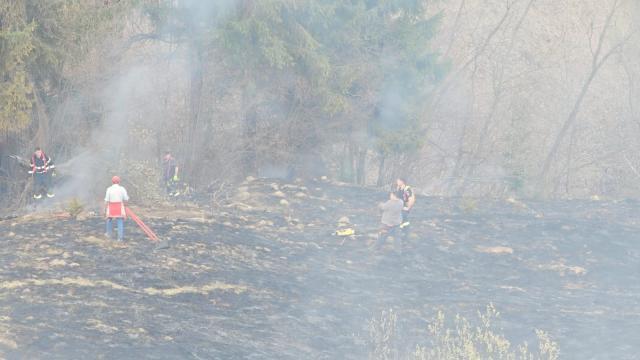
(578, 270)
(563, 269)
(284, 202)
(279, 194)
(344, 220)
(264, 223)
(242, 196)
(249, 179)
(57, 262)
(301, 195)
(494, 249)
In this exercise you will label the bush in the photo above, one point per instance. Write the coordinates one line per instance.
(74, 208)
(382, 332)
(469, 205)
(458, 340)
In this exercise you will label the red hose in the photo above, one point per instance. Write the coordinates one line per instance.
(150, 234)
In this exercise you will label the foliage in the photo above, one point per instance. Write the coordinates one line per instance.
(382, 332)
(16, 45)
(459, 340)
(74, 208)
(37, 40)
(311, 72)
(347, 58)
(465, 341)
(468, 205)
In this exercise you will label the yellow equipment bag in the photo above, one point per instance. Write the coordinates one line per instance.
(345, 232)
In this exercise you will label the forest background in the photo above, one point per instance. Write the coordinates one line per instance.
(526, 98)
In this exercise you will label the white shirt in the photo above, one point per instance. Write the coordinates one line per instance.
(116, 194)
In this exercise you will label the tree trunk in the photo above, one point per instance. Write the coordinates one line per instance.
(567, 124)
(250, 152)
(380, 181)
(195, 136)
(41, 137)
(352, 163)
(596, 65)
(361, 166)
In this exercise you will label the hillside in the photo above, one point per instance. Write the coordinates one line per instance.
(263, 277)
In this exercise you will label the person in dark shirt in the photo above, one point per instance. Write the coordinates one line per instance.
(408, 197)
(170, 172)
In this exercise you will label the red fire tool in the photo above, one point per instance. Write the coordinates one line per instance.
(147, 230)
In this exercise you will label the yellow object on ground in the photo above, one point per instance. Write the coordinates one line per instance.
(345, 232)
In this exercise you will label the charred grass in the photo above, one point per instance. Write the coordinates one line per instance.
(259, 277)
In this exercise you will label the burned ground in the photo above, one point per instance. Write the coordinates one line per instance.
(263, 277)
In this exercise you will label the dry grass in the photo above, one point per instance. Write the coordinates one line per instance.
(458, 339)
(382, 332)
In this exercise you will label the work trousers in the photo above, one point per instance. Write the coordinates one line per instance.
(41, 182)
(120, 222)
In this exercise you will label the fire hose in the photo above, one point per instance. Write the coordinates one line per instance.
(146, 229)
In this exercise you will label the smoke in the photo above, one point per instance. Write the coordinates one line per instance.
(90, 170)
(137, 101)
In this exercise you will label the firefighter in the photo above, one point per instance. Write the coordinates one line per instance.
(170, 172)
(114, 203)
(42, 169)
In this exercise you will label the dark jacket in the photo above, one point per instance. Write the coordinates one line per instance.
(41, 164)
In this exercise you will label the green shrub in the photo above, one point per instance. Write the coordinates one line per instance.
(74, 208)
(469, 205)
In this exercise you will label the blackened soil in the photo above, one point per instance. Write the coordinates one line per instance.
(265, 278)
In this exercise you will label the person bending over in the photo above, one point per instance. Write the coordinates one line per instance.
(391, 219)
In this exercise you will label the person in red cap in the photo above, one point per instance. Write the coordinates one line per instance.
(114, 202)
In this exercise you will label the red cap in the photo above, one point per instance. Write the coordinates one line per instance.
(115, 179)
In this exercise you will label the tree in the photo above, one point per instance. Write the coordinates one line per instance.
(336, 62)
(16, 45)
(599, 58)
